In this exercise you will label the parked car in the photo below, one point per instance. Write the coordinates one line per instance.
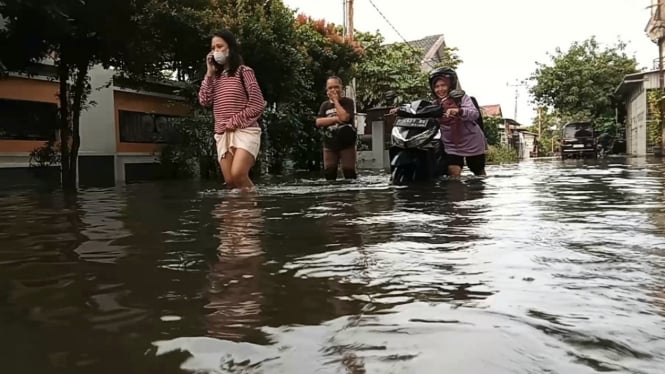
(578, 140)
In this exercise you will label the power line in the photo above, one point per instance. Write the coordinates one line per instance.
(398, 33)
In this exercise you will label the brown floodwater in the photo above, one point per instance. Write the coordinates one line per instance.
(543, 267)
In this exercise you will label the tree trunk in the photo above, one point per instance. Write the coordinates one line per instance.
(65, 129)
(72, 98)
(80, 91)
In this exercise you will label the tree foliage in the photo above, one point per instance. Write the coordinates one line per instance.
(579, 82)
(326, 53)
(148, 40)
(551, 126)
(80, 34)
(393, 67)
(491, 127)
(292, 58)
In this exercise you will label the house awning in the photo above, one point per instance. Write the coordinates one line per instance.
(511, 121)
(629, 83)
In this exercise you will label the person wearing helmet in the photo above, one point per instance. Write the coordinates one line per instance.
(463, 139)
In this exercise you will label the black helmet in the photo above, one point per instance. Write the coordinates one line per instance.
(443, 72)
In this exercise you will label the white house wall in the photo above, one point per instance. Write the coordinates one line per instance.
(636, 128)
(98, 133)
(651, 81)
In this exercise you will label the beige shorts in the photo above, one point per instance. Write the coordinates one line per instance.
(248, 139)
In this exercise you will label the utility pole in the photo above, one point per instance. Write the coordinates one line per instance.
(348, 19)
(348, 33)
(517, 86)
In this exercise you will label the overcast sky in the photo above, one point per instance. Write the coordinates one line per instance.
(500, 40)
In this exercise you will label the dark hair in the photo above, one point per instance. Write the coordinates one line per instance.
(341, 83)
(235, 59)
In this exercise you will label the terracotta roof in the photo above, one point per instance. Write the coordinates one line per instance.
(492, 110)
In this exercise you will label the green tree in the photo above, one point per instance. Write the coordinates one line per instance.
(551, 125)
(81, 34)
(292, 57)
(327, 53)
(393, 67)
(491, 126)
(578, 82)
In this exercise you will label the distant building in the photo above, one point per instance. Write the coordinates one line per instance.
(636, 116)
(121, 134)
(655, 28)
(519, 138)
(493, 110)
(434, 47)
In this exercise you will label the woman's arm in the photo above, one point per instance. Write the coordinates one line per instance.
(469, 111)
(322, 119)
(255, 102)
(207, 91)
(326, 121)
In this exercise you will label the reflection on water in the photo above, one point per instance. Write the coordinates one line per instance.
(235, 292)
(543, 267)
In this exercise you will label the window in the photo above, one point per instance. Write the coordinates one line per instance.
(138, 127)
(27, 120)
(578, 130)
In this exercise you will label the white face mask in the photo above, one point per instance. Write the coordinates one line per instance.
(220, 57)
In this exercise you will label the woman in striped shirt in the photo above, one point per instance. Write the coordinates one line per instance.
(231, 89)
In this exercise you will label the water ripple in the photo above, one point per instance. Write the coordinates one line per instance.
(543, 267)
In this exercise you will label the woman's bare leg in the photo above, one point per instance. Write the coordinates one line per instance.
(225, 164)
(242, 162)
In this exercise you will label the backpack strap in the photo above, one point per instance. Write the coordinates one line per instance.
(241, 71)
(480, 113)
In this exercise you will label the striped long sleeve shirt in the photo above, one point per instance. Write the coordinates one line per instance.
(233, 105)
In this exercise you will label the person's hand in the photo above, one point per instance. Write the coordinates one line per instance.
(210, 66)
(452, 112)
(392, 111)
(333, 95)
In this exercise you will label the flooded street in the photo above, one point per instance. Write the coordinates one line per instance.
(543, 267)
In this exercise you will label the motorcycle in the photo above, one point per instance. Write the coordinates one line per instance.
(416, 151)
